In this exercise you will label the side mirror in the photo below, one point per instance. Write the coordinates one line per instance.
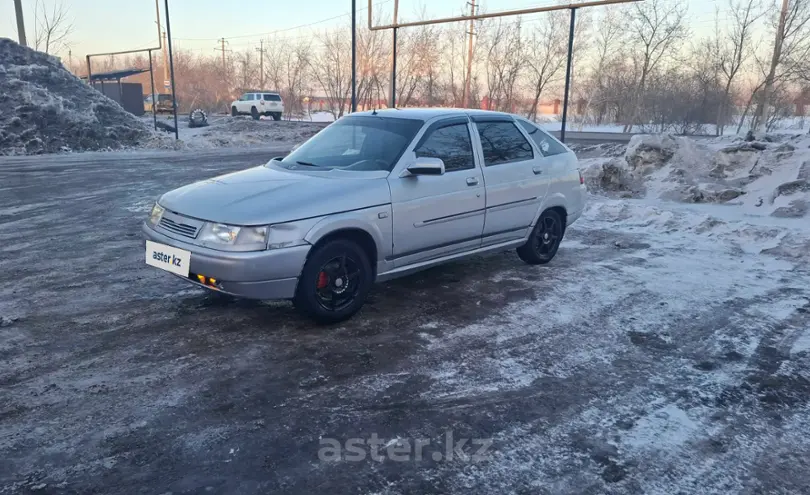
(425, 166)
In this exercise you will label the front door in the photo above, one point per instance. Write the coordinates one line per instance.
(439, 215)
(515, 177)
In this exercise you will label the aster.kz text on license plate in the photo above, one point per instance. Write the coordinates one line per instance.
(168, 258)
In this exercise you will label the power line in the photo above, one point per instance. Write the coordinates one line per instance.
(257, 35)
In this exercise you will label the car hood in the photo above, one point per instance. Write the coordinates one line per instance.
(267, 195)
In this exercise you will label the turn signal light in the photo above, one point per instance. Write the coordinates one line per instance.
(209, 281)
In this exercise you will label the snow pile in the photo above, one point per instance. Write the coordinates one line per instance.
(769, 175)
(46, 109)
(228, 132)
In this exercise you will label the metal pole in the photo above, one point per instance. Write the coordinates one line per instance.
(466, 97)
(20, 23)
(89, 73)
(171, 68)
(568, 74)
(394, 73)
(354, 56)
(152, 85)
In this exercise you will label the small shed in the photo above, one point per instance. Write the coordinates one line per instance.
(128, 95)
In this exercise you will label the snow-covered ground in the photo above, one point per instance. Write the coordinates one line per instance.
(225, 131)
(666, 349)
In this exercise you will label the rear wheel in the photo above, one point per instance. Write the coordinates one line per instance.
(234, 113)
(335, 282)
(254, 113)
(544, 240)
(277, 116)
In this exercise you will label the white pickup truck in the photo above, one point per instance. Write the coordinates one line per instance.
(257, 104)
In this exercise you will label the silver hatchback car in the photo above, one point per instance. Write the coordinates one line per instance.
(373, 196)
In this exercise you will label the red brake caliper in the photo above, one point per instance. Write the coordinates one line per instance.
(323, 280)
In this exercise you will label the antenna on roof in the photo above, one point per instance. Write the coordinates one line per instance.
(374, 112)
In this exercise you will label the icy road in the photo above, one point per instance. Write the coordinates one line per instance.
(665, 350)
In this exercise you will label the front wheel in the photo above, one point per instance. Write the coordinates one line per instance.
(544, 240)
(254, 113)
(335, 281)
(234, 113)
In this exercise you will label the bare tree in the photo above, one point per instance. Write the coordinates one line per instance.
(296, 64)
(732, 49)
(52, 26)
(545, 56)
(656, 27)
(607, 40)
(418, 55)
(504, 62)
(790, 49)
(331, 69)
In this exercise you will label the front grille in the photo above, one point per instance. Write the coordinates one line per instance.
(179, 227)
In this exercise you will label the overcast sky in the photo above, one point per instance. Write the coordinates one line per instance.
(103, 26)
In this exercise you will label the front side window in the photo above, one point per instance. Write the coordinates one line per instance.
(249, 97)
(502, 142)
(548, 145)
(452, 144)
(361, 143)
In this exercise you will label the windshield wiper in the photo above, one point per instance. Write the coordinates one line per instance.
(308, 164)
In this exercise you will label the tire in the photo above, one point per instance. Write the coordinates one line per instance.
(254, 113)
(335, 282)
(234, 113)
(544, 240)
(276, 117)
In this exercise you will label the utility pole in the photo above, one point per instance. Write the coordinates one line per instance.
(568, 68)
(761, 117)
(467, 80)
(20, 22)
(261, 63)
(393, 100)
(222, 49)
(165, 61)
(171, 64)
(354, 55)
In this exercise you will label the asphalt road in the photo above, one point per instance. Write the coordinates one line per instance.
(636, 362)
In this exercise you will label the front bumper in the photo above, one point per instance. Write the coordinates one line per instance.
(271, 274)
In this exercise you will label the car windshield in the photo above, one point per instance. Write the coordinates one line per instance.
(361, 143)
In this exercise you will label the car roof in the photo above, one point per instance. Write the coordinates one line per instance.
(428, 113)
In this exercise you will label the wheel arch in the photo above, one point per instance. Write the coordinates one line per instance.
(360, 228)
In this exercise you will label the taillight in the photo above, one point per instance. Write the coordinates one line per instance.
(581, 178)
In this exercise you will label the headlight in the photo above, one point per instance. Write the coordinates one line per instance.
(156, 214)
(234, 238)
(239, 238)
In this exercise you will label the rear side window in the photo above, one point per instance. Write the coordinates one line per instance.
(502, 142)
(452, 144)
(547, 144)
(272, 98)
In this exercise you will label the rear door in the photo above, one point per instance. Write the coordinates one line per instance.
(515, 177)
(246, 103)
(439, 215)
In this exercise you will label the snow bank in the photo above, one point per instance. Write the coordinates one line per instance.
(46, 109)
(769, 175)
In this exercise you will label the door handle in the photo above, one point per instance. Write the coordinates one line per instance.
(537, 170)
(472, 181)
